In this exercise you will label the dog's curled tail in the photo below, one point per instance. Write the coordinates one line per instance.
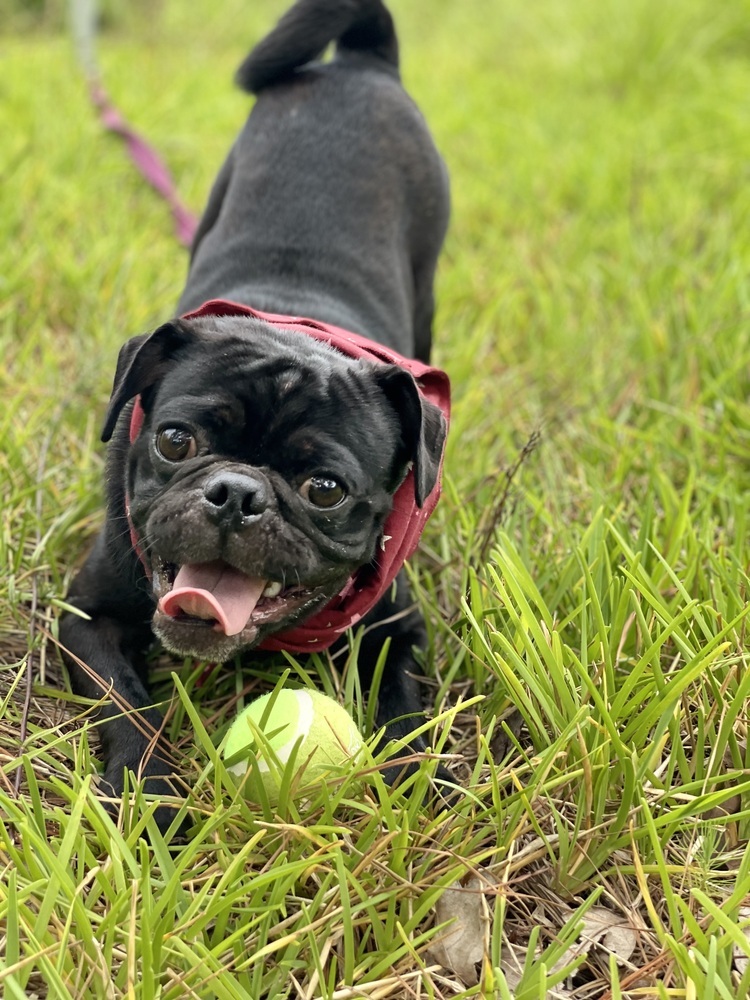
(304, 32)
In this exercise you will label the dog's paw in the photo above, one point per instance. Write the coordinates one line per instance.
(156, 780)
(400, 767)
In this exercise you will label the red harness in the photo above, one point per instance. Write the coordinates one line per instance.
(404, 525)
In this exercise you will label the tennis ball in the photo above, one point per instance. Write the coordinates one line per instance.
(326, 733)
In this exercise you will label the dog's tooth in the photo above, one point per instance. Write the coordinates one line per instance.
(159, 580)
(272, 590)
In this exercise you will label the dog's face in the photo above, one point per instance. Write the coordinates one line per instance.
(262, 475)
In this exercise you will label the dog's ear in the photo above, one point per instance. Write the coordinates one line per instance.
(142, 362)
(423, 426)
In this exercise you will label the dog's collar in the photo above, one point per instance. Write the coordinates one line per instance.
(404, 525)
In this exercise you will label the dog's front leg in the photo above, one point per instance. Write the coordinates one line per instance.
(399, 706)
(101, 653)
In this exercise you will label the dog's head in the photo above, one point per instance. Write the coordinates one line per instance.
(262, 474)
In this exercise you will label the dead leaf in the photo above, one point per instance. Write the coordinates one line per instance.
(741, 956)
(606, 928)
(460, 947)
(511, 963)
(611, 930)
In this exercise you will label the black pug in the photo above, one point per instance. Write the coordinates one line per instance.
(274, 454)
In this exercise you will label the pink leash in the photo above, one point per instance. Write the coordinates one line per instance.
(146, 160)
(150, 165)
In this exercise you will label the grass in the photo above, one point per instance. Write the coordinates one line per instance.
(584, 579)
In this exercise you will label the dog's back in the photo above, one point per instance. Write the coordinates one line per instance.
(333, 202)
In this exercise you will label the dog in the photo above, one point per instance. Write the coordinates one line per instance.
(275, 449)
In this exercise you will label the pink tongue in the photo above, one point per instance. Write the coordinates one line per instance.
(214, 590)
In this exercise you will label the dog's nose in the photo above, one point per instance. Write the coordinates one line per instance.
(235, 497)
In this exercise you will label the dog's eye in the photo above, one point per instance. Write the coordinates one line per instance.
(322, 491)
(176, 444)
